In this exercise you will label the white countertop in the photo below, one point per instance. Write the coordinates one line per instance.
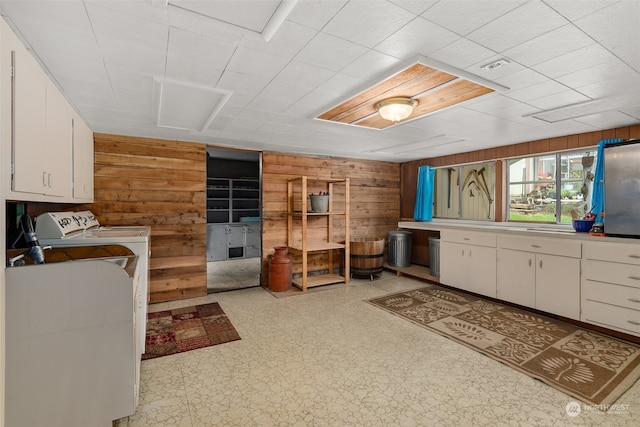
(531, 229)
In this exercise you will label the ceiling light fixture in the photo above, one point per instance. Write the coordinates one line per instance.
(396, 109)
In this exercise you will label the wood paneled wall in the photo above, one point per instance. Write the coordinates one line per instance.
(409, 170)
(160, 183)
(374, 201)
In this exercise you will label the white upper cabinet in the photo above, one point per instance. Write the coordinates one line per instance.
(37, 139)
(82, 161)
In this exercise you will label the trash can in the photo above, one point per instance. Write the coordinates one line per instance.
(434, 256)
(400, 248)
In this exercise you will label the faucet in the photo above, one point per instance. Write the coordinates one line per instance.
(35, 251)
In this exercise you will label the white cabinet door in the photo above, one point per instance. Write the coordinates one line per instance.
(82, 160)
(452, 260)
(29, 126)
(59, 145)
(481, 270)
(558, 285)
(468, 267)
(516, 277)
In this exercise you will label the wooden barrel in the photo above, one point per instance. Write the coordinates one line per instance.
(366, 256)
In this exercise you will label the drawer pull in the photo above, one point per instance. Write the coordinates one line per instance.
(633, 322)
(633, 277)
(633, 299)
(529, 262)
(466, 238)
(536, 246)
(634, 256)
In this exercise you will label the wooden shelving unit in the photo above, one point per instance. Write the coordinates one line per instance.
(298, 219)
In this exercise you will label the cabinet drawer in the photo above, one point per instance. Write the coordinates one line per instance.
(609, 272)
(469, 237)
(623, 296)
(616, 252)
(568, 248)
(619, 318)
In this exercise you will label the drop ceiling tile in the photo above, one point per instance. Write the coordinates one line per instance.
(612, 86)
(67, 16)
(330, 52)
(458, 17)
(255, 63)
(536, 91)
(111, 25)
(632, 111)
(136, 58)
(519, 25)
(290, 38)
(576, 9)
(367, 25)
(315, 14)
(289, 93)
(559, 99)
(596, 74)
(141, 9)
(607, 119)
(577, 60)
(463, 53)
(302, 74)
(242, 83)
(207, 27)
(417, 37)
(521, 79)
(370, 65)
(415, 6)
(192, 57)
(229, 12)
(555, 43)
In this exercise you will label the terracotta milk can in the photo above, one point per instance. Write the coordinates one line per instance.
(280, 270)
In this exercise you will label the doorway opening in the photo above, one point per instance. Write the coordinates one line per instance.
(234, 223)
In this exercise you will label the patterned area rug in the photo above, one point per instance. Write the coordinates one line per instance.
(188, 328)
(589, 366)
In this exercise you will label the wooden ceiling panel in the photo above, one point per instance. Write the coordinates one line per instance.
(434, 89)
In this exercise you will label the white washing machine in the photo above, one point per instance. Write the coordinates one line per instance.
(67, 229)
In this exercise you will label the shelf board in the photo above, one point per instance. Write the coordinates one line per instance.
(311, 247)
(319, 280)
(309, 213)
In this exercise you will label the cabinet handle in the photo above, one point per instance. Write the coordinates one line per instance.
(529, 262)
(633, 299)
(633, 322)
(49, 180)
(463, 252)
(540, 263)
(466, 238)
(536, 246)
(634, 256)
(44, 179)
(633, 277)
(469, 253)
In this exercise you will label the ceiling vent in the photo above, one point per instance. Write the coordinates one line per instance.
(186, 106)
(581, 109)
(434, 85)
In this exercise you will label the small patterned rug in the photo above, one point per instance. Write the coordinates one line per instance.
(188, 328)
(589, 366)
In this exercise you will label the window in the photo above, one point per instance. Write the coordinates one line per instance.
(548, 188)
(465, 192)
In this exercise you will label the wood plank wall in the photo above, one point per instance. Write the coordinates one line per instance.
(374, 201)
(160, 183)
(409, 170)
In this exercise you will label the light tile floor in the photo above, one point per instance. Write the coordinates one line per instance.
(328, 358)
(233, 274)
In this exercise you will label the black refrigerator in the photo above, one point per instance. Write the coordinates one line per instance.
(622, 189)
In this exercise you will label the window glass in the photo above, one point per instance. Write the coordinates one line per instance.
(548, 188)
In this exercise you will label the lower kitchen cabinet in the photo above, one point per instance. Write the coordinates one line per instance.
(229, 241)
(540, 273)
(610, 286)
(468, 261)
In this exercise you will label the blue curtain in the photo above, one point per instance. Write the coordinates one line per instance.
(423, 210)
(597, 200)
